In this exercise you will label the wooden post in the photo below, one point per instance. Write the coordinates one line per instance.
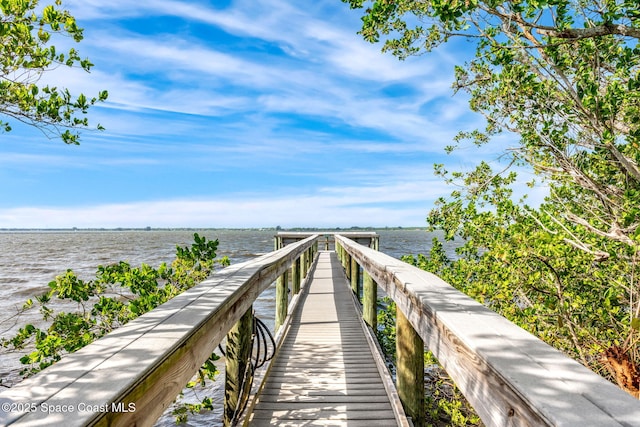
(355, 277)
(305, 266)
(344, 258)
(347, 265)
(295, 276)
(277, 243)
(282, 298)
(410, 372)
(370, 301)
(237, 367)
(303, 272)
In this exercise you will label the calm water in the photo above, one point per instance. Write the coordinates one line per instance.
(30, 260)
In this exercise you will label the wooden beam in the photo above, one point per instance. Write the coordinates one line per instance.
(355, 278)
(295, 277)
(282, 299)
(237, 368)
(410, 369)
(303, 264)
(347, 265)
(370, 301)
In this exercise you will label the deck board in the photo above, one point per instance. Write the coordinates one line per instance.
(324, 372)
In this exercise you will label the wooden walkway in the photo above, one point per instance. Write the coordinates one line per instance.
(324, 373)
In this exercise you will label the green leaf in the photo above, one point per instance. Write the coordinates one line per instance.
(26, 31)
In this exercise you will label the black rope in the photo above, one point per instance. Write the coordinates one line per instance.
(260, 345)
(247, 383)
(263, 333)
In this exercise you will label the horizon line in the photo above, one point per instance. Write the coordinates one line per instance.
(277, 228)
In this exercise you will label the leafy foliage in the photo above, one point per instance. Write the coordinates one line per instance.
(118, 294)
(444, 403)
(386, 333)
(563, 77)
(182, 412)
(26, 52)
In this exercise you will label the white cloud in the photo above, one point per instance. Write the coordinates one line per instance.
(246, 103)
(389, 196)
(331, 73)
(296, 210)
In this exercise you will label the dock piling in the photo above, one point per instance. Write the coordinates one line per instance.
(237, 367)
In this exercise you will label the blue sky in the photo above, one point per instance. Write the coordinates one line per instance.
(248, 113)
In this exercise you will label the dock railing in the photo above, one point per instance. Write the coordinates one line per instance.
(509, 376)
(130, 376)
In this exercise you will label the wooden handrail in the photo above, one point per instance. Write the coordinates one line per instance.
(369, 238)
(130, 376)
(508, 375)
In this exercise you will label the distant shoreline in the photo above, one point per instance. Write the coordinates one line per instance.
(5, 230)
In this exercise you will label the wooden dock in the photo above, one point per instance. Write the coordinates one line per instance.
(325, 372)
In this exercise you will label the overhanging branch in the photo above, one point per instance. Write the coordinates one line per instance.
(606, 29)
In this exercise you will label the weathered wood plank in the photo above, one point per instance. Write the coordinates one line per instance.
(324, 369)
(292, 369)
(361, 362)
(355, 277)
(238, 353)
(370, 301)
(369, 400)
(316, 388)
(361, 408)
(410, 370)
(323, 381)
(295, 277)
(359, 394)
(333, 423)
(507, 374)
(328, 412)
(282, 299)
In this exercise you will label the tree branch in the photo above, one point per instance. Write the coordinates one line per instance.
(606, 29)
(615, 233)
(573, 241)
